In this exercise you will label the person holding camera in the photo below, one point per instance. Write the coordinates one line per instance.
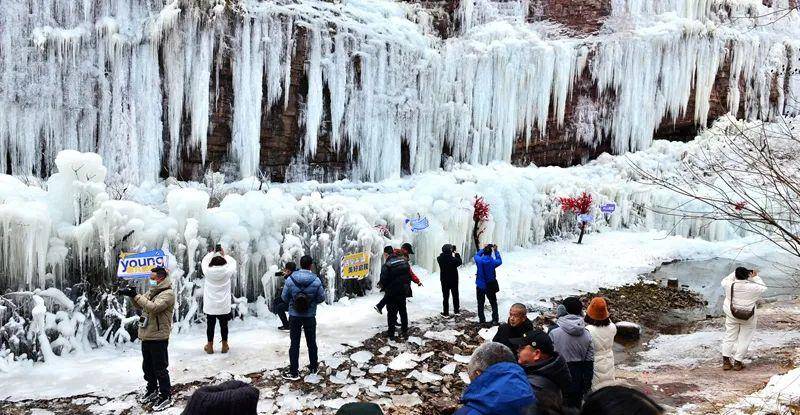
(487, 260)
(280, 307)
(303, 291)
(743, 289)
(155, 326)
(218, 269)
(449, 261)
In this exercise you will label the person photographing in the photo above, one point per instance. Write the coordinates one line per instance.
(449, 261)
(743, 289)
(487, 260)
(218, 269)
(155, 325)
(280, 307)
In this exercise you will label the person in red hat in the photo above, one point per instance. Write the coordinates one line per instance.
(598, 322)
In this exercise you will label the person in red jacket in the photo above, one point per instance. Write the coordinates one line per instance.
(404, 251)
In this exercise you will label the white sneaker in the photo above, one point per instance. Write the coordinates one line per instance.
(290, 376)
(162, 404)
(145, 398)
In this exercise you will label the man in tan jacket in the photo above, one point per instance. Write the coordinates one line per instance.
(155, 325)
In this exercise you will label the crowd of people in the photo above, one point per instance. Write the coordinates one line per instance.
(563, 367)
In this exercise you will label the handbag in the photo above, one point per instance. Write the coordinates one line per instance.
(739, 312)
(492, 286)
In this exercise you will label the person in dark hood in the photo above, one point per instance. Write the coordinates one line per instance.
(573, 342)
(613, 400)
(546, 370)
(517, 325)
(395, 280)
(449, 261)
(499, 385)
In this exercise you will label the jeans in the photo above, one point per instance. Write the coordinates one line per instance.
(482, 296)
(446, 291)
(308, 325)
(394, 307)
(155, 360)
(212, 323)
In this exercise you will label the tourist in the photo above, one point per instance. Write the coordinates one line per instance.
(303, 291)
(517, 325)
(449, 261)
(233, 397)
(155, 326)
(599, 325)
(395, 279)
(487, 260)
(546, 370)
(218, 269)
(404, 252)
(280, 307)
(618, 400)
(743, 289)
(574, 343)
(498, 384)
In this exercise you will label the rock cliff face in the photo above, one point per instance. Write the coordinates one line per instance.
(308, 89)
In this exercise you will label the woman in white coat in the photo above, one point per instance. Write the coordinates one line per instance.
(746, 288)
(599, 325)
(218, 269)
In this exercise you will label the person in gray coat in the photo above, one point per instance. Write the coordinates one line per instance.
(574, 343)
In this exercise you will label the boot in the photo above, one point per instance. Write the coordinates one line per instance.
(209, 348)
(225, 347)
(737, 365)
(726, 363)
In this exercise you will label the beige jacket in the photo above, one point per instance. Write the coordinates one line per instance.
(157, 305)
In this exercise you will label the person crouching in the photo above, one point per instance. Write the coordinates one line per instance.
(155, 326)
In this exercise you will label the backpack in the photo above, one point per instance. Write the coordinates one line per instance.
(301, 301)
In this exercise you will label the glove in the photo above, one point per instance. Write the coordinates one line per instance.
(128, 291)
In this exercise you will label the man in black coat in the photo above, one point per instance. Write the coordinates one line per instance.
(546, 370)
(396, 283)
(449, 261)
(516, 326)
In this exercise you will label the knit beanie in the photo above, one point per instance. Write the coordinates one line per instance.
(233, 397)
(561, 311)
(359, 408)
(573, 306)
(598, 309)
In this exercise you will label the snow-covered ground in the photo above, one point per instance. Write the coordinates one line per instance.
(527, 275)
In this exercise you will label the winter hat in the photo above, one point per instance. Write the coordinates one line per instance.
(598, 309)
(359, 408)
(233, 397)
(561, 311)
(573, 306)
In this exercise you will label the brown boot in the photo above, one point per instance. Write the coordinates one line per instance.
(726, 363)
(737, 365)
(225, 347)
(209, 348)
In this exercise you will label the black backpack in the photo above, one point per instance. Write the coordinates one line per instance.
(301, 301)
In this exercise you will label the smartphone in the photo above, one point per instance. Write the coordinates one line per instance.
(218, 248)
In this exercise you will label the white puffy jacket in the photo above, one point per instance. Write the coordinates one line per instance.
(746, 293)
(217, 285)
(603, 341)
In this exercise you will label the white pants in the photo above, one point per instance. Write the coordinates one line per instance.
(738, 334)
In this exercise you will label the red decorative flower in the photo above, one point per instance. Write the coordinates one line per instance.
(580, 205)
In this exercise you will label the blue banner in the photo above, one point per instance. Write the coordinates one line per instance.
(133, 265)
(417, 224)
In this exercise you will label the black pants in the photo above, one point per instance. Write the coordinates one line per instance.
(581, 374)
(308, 326)
(482, 296)
(223, 326)
(280, 308)
(155, 360)
(381, 303)
(446, 291)
(395, 306)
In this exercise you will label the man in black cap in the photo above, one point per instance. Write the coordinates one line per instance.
(546, 370)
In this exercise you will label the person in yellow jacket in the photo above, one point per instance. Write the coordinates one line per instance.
(155, 326)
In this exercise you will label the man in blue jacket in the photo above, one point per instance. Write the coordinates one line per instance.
(499, 385)
(486, 281)
(303, 291)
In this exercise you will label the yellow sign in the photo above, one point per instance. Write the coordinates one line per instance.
(355, 266)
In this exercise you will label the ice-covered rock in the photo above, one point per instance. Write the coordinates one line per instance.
(424, 376)
(408, 400)
(361, 357)
(404, 361)
(448, 336)
(377, 369)
(449, 368)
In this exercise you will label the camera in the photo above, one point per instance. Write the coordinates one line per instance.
(218, 248)
(119, 284)
(279, 274)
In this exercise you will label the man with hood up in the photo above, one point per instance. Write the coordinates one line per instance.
(573, 342)
(499, 385)
(546, 370)
(449, 261)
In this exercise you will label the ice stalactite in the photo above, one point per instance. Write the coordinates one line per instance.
(247, 65)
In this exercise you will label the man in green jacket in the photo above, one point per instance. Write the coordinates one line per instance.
(155, 325)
